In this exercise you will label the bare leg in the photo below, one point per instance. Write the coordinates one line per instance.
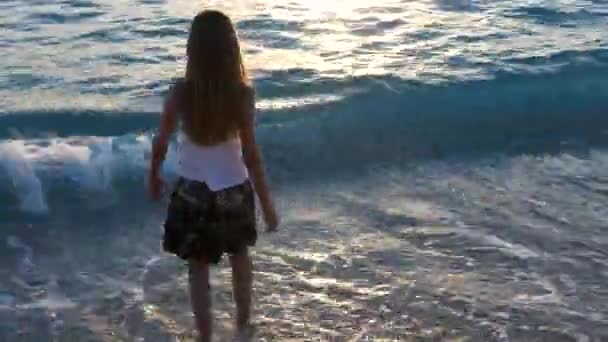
(242, 278)
(200, 298)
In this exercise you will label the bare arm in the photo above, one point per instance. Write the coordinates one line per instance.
(255, 166)
(160, 144)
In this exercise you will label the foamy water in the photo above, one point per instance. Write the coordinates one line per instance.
(439, 166)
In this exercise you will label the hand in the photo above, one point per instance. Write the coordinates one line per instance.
(271, 219)
(155, 186)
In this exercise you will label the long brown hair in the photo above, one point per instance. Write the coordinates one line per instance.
(217, 90)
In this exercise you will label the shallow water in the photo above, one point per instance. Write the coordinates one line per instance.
(440, 168)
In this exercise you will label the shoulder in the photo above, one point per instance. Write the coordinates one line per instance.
(248, 90)
(248, 95)
(178, 88)
(248, 101)
(178, 92)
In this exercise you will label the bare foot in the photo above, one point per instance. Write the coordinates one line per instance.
(245, 333)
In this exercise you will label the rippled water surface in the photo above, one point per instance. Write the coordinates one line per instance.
(440, 168)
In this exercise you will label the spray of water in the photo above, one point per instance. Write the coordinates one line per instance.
(26, 184)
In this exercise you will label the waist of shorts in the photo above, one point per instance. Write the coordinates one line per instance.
(197, 192)
(194, 183)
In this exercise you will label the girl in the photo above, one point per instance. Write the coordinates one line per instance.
(211, 211)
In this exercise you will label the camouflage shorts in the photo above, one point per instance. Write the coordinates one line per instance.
(203, 224)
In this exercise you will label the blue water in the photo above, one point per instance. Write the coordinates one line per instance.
(440, 168)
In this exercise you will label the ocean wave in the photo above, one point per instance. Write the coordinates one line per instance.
(389, 121)
(553, 16)
(61, 18)
(517, 101)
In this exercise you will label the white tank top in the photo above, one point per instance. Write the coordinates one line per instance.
(219, 166)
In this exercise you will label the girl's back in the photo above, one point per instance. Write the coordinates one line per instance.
(219, 166)
(218, 163)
